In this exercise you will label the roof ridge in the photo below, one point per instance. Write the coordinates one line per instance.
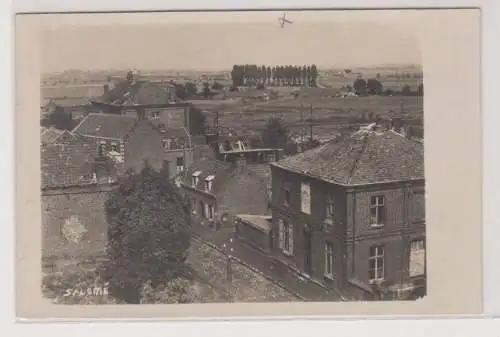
(358, 157)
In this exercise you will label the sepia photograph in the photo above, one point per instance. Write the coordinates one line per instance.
(262, 157)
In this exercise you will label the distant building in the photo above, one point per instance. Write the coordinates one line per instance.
(232, 148)
(137, 98)
(351, 214)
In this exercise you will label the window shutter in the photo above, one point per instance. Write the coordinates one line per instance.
(290, 235)
(281, 233)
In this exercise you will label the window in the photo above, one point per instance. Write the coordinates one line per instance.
(210, 212)
(286, 196)
(328, 259)
(377, 211)
(330, 207)
(202, 210)
(166, 144)
(155, 115)
(417, 258)
(208, 183)
(102, 148)
(114, 147)
(180, 164)
(376, 264)
(193, 206)
(286, 237)
(196, 178)
(305, 198)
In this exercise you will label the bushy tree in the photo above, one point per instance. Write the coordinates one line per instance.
(60, 119)
(197, 121)
(360, 85)
(275, 134)
(406, 90)
(217, 86)
(148, 235)
(206, 92)
(374, 86)
(191, 89)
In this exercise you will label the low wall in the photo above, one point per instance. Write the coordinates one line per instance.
(74, 226)
(253, 236)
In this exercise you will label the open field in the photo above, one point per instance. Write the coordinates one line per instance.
(328, 114)
(71, 91)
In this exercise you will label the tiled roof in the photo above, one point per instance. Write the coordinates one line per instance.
(137, 92)
(365, 157)
(50, 135)
(208, 167)
(70, 102)
(71, 163)
(106, 125)
(203, 151)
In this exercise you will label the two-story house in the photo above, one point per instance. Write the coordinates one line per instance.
(218, 191)
(130, 141)
(352, 212)
(139, 98)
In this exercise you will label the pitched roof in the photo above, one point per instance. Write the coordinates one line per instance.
(205, 168)
(237, 189)
(71, 163)
(106, 125)
(137, 92)
(50, 135)
(365, 157)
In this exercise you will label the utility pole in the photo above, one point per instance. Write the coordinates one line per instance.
(311, 122)
(301, 124)
(228, 250)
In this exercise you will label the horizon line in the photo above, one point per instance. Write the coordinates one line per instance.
(359, 66)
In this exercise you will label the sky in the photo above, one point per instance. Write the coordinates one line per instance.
(216, 41)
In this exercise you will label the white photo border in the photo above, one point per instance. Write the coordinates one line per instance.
(491, 179)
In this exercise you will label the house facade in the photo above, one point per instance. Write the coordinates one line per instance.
(218, 191)
(142, 99)
(351, 213)
(130, 141)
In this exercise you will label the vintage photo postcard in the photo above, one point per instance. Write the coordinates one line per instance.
(237, 164)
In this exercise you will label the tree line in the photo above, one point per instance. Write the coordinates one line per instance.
(286, 76)
(373, 86)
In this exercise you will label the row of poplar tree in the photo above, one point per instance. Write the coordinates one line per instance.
(287, 75)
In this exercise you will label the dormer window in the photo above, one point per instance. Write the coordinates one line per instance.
(114, 147)
(196, 178)
(166, 144)
(101, 148)
(208, 183)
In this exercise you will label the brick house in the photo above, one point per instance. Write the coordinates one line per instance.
(75, 182)
(218, 191)
(351, 213)
(138, 98)
(130, 141)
